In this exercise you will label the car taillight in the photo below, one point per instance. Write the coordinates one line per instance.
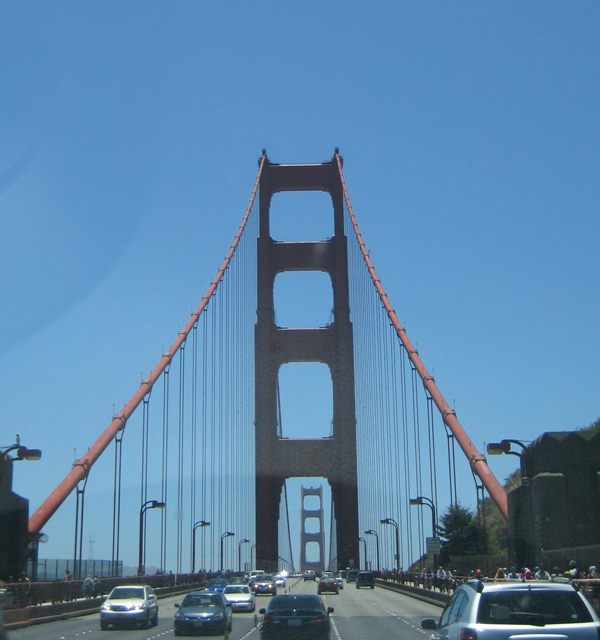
(268, 618)
(321, 617)
(468, 634)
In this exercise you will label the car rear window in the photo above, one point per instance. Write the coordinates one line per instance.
(236, 590)
(200, 600)
(294, 603)
(127, 593)
(534, 607)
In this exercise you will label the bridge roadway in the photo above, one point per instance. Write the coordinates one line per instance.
(359, 613)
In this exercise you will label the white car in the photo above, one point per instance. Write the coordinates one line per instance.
(240, 596)
(500, 611)
(280, 580)
(130, 605)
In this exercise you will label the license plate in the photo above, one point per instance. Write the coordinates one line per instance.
(294, 622)
(198, 623)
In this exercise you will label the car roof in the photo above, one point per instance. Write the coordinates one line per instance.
(514, 585)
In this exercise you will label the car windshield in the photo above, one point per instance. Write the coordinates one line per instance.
(217, 582)
(532, 606)
(264, 579)
(127, 593)
(201, 600)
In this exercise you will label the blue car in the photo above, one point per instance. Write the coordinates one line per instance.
(203, 612)
(217, 584)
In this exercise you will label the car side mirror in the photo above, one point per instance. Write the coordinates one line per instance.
(329, 610)
(177, 605)
(429, 623)
(262, 611)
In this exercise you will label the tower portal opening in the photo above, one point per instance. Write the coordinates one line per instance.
(303, 299)
(306, 400)
(301, 216)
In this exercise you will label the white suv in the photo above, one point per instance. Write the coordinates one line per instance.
(502, 610)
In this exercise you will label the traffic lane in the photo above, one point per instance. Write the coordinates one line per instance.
(88, 627)
(378, 613)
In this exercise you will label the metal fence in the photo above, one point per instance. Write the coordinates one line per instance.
(50, 570)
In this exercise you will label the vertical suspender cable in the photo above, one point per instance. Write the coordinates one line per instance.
(476, 460)
(164, 472)
(77, 473)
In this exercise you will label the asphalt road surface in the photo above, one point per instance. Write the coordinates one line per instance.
(359, 613)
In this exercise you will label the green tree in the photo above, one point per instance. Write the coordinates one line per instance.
(595, 426)
(459, 531)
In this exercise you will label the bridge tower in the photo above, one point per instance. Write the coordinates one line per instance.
(333, 458)
(317, 536)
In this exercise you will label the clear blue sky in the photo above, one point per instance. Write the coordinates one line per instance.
(130, 135)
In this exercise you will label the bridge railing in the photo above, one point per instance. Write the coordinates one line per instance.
(26, 602)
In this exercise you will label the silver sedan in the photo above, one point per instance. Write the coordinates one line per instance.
(240, 597)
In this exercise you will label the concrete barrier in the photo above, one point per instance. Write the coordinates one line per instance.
(427, 595)
(27, 616)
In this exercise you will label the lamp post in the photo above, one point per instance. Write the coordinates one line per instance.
(251, 554)
(366, 561)
(395, 524)
(420, 500)
(498, 448)
(200, 523)
(372, 532)
(240, 543)
(150, 504)
(225, 535)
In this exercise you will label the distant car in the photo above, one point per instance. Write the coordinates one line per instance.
(298, 617)
(240, 597)
(280, 580)
(253, 575)
(217, 584)
(340, 580)
(328, 583)
(365, 579)
(515, 609)
(264, 585)
(129, 605)
(203, 612)
(351, 576)
(309, 574)
(237, 580)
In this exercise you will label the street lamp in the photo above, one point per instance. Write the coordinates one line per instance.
(251, 553)
(23, 453)
(366, 561)
(225, 535)
(200, 523)
(422, 500)
(372, 532)
(393, 522)
(150, 504)
(498, 448)
(240, 543)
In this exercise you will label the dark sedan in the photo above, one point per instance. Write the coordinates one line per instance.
(264, 585)
(296, 617)
(328, 584)
(203, 612)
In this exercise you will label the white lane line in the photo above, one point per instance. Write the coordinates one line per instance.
(337, 633)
